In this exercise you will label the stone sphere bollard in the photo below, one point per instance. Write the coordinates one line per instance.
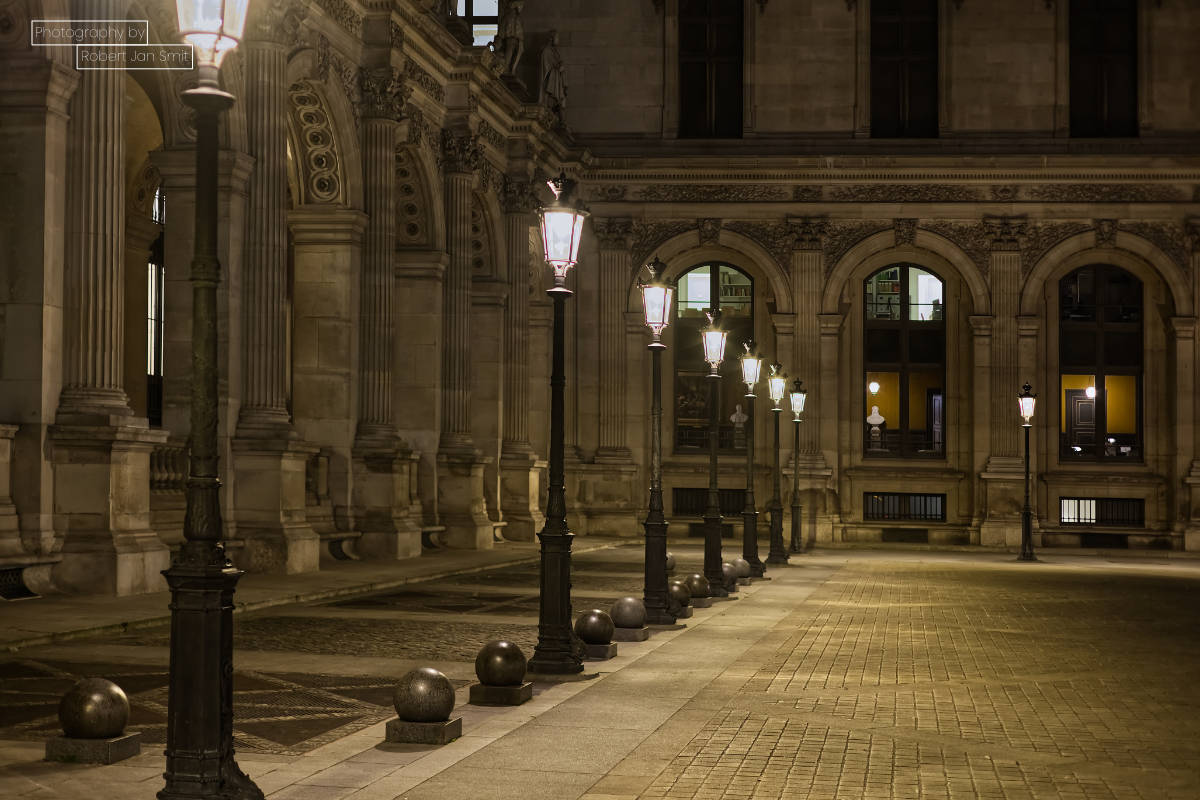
(679, 594)
(729, 575)
(500, 663)
(424, 695)
(94, 708)
(628, 612)
(697, 584)
(670, 562)
(594, 627)
(742, 567)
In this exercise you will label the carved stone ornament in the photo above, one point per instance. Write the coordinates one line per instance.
(1004, 194)
(420, 77)
(905, 231)
(395, 35)
(809, 231)
(383, 94)
(1107, 193)
(649, 236)
(1106, 232)
(318, 157)
(331, 63)
(460, 151)
(1005, 232)
(807, 194)
(275, 21)
(973, 238)
(1166, 236)
(777, 238)
(518, 196)
(710, 230)
(724, 193)
(905, 193)
(1192, 229)
(1040, 237)
(612, 194)
(841, 236)
(489, 134)
(343, 14)
(614, 233)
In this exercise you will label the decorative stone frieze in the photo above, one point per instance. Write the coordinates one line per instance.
(807, 194)
(905, 193)
(703, 193)
(488, 133)
(420, 77)
(842, 236)
(382, 94)
(648, 236)
(343, 14)
(905, 231)
(777, 238)
(1106, 193)
(1042, 236)
(710, 230)
(973, 238)
(1166, 236)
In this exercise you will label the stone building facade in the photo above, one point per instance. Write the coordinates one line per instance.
(385, 339)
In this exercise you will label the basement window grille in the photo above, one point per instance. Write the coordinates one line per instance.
(1123, 512)
(690, 502)
(904, 507)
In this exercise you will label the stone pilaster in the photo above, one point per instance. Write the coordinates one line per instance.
(101, 452)
(614, 240)
(35, 95)
(830, 437)
(460, 467)
(1044, 441)
(1005, 471)
(1192, 479)
(520, 467)
(380, 458)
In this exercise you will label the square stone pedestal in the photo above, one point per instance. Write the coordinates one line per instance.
(684, 613)
(600, 652)
(702, 602)
(482, 695)
(403, 732)
(631, 634)
(93, 751)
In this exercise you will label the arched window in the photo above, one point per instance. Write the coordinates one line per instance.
(904, 363)
(710, 68)
(710, 287)
(1100, 364)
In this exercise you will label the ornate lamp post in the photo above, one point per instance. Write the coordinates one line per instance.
(656, 304)
(200, 761)
(777, 386)
(751, 368)
(714, 354)
(1026, 401)
(797, 398)
(557, 650)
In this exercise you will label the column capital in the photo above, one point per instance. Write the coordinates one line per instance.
(384, 92)
(274, 21)
(517, 196)
(325, 225)
(1004, 232)
(1028, 325)
(460, 151)
(1183, 327)
(808, 232)
(613, 233)
(831, 324)
(981, 324)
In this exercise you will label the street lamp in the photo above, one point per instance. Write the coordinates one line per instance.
(1025, 402)
(656, 304)
(797, 398)
(777, 387)
(558, 651)
(714, 353)
(200, 760)
(751, 368)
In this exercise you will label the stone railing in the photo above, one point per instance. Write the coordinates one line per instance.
(168, 490)
(169, 467)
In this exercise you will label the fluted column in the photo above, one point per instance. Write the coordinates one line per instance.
(614, 238)
(1003, 474)
(520, 467)
(460, 466)
(268, 454)
(461, 155)
(264, 278)
(94, 279)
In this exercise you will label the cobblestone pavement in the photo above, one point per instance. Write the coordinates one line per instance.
(904, 680)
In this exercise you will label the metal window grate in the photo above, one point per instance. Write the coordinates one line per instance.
(902, 506)
(690, 502)
(1126, 512)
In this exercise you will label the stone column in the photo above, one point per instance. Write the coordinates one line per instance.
(614, 498)
(1191, 537)
(830, 437)
(520, 466)
(101, 451)
(460, 466)
(1004, 472)
(269, 458)
(808, 280)
(380, 458)
(34, 101)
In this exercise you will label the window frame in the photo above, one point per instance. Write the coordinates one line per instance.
(1100, 369)
(900, 62)
(730, 374)
(1084, 62)
(472, 19)
(905, 367)
(714, 110)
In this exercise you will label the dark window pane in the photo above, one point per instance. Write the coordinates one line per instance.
(883, 347)
(1103, 67)
(710, 68)
(926, 347)
(1077, 348)
(1123, 349)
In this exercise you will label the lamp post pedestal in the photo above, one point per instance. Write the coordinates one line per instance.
(558, 650)
(655, 596)
(778, 553)
(200, 760)
(1026, 553)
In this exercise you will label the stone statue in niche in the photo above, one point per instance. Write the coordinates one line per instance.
(553, 88)
(875, 419)
(739, 418)
(510, 36)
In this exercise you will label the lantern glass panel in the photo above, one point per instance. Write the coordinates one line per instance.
(777, 385)
(714, 347)
(798, 399)
(751, 367)
(656, 303)
(213, 27)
